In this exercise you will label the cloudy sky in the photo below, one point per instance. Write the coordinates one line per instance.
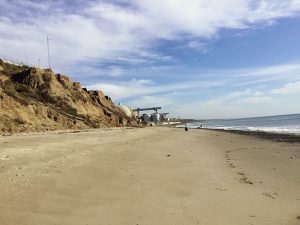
(195, 58)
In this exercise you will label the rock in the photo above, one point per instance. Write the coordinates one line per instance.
(64, 80)
(32, 77)
(77, 85)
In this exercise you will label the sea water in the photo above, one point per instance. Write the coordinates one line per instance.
(287, 124)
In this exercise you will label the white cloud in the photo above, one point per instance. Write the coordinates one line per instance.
(115, 71)
(93, 33)
(273, 70)
(148, 101)
(247, 96)
(119, 91)
(205, 18)
(247, 103)
(290, 88)
(102, 30)
(224, 98)
(254, 100)
(198, 46)
(139, 88)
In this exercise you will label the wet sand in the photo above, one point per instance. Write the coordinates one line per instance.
(149, 176)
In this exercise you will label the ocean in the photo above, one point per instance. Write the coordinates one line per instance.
(286, 124)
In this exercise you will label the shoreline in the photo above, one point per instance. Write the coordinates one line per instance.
(277, 137)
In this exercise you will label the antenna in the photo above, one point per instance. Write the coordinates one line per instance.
(48, 51)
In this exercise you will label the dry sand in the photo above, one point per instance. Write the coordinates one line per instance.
(155, 176)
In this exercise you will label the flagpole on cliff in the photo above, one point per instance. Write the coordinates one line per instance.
(48, 51)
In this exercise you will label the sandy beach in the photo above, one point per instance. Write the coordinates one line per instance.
(148, 176)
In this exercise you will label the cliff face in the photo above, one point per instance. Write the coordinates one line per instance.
(33, 99)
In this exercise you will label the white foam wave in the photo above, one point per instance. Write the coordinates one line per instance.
(280, 130)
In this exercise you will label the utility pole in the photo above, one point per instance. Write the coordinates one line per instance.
(48, 51)
(39, 60)
(26, 56)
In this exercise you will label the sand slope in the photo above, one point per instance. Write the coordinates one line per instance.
(146, 177)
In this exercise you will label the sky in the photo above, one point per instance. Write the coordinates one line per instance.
(198, 59)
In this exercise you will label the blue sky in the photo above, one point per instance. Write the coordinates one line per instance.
(195, 58)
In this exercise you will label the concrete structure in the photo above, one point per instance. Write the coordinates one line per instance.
(138, 110)
(126, 110)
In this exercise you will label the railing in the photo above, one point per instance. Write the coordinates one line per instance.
(14, 61)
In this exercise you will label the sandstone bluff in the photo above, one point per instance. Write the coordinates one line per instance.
(34, 99)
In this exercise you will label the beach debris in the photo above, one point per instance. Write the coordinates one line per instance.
(231, 165)
(6, 157)
(244, 179)
(293, 157)
(298, 217)
(168, 155)
(268, 195)
(221, 189)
